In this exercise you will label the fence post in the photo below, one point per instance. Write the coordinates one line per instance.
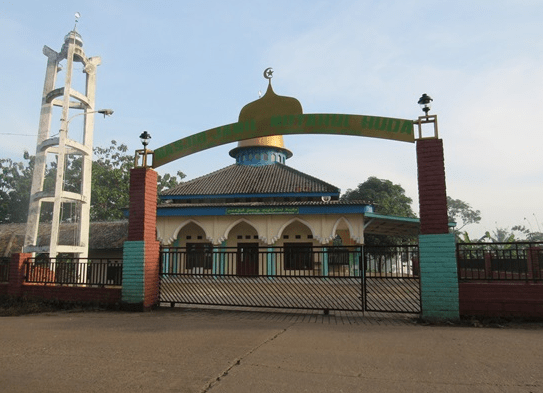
(437, 250)
(533, 269)
(488, 266)
(141, 252)
(17, 273)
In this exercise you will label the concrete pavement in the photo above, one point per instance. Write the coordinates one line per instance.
(181, 350)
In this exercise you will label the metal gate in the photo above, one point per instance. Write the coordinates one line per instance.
(392, 279)
(297, 276)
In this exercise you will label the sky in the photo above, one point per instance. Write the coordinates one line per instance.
(175, 68)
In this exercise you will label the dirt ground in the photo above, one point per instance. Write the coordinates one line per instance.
(186, 350)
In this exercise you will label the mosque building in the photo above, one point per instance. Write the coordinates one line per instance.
(259, 201)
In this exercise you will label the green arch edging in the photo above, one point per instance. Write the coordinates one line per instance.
(313, 123)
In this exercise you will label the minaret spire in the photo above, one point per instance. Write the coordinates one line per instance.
(62, 146)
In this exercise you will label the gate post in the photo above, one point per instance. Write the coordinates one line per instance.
(438, 269)
(17, 274)
(141, 250)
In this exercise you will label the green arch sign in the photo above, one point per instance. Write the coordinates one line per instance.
(313, 123)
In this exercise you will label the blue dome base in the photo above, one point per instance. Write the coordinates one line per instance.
(260, 155)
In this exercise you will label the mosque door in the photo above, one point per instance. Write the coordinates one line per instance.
(247, 259)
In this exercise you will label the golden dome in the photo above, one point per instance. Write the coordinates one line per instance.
(264, 108)
(270, 105)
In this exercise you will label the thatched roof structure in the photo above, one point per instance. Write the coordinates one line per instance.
(104, 235)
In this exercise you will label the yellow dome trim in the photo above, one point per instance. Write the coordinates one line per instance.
(275, 141)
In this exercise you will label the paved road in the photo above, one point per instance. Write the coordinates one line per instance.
(217, 351)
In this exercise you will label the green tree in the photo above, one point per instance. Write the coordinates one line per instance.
(389, 198)
(461, 213)
(463, 237)
(15, 183)
(111, 182)
(501, 235)
(527, 235)
(109, 190)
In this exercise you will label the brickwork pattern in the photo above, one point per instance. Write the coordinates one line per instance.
(141, 250)
(152, 279)
(16, 274)
(432, 187)
(438, 276)
(133, 276)
(142, 207)
(500, 299)
(72, 294)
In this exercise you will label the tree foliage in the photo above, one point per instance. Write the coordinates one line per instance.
(109, 190)
(389, 198)
(527, 235)
(461, 213)
(15, 184)
(110, 182)
(517, 233)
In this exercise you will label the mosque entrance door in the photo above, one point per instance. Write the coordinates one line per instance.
(247, 259)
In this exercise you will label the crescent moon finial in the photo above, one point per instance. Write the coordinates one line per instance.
(77, 16)
(268, 73)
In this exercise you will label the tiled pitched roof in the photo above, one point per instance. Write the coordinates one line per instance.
(245, 179)
(103, 235)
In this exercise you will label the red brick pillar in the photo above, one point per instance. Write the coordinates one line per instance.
(141, 250)
(142, 207)
(437, 248)
(432, 188)
(17, 274)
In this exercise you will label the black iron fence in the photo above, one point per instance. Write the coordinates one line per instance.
(74, 271)
(391, 261)
(297, 260)
(518, 261)
(4, 269)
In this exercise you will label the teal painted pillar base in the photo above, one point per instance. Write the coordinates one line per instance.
(438, 276)
(133, 292)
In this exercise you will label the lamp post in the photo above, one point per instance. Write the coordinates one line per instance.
(144, 138)
(105, 112)
(425, 102)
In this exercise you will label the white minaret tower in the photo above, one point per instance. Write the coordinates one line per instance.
(64, 146)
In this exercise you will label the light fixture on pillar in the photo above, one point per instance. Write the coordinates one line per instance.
(425, 102)
(144, 138)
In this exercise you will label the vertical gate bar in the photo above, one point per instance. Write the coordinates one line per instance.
(362, 263)
(325, 258)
